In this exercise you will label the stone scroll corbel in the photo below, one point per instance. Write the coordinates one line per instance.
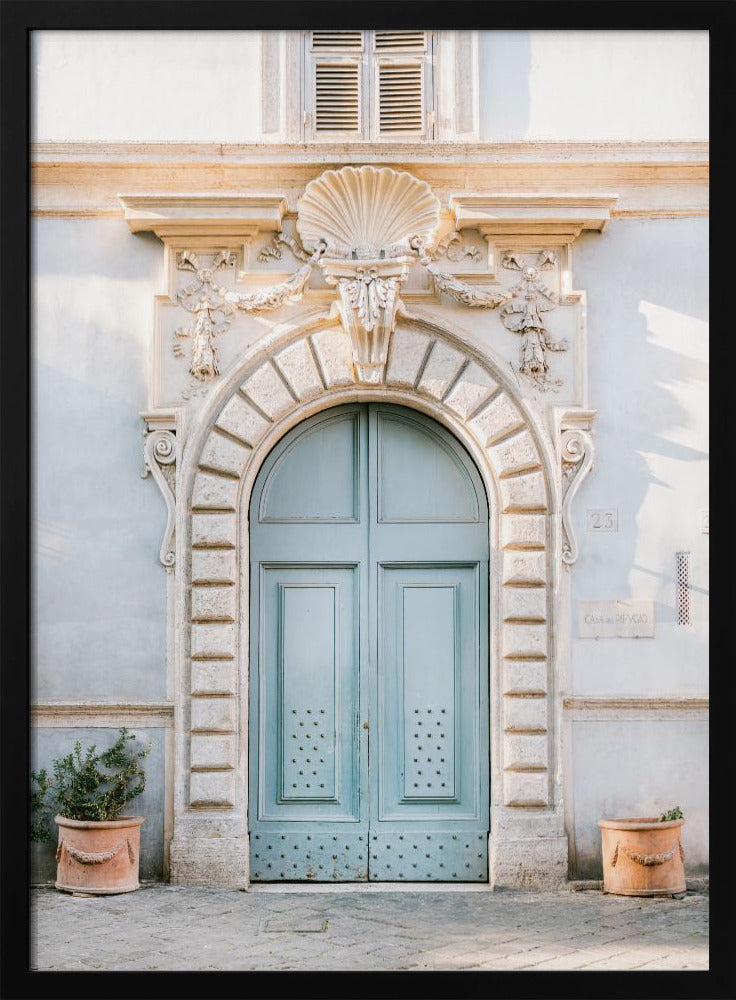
(577, 454)
(159, 460)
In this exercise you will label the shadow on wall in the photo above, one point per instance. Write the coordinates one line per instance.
(504, 96)
(648, 350)
(649, 384)
(47, 744)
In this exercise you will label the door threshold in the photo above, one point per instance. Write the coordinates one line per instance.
(368, 887)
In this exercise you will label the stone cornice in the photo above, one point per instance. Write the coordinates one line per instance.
(554, 213)
(673, 152)
(239, 215)
(79, 714)
(660, 180)
(631, 707)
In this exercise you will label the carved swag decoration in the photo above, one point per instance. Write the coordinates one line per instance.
(213, 306)
(523, 317)
(364, 227)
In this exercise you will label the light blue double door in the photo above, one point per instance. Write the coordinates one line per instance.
(368, 747)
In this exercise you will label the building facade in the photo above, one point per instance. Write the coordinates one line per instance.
(370, 443)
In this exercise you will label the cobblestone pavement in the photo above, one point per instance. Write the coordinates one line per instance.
(162, 927)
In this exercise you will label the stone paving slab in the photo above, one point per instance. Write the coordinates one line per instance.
(165, 928)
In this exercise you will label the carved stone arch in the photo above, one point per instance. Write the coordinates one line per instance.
(290, 376)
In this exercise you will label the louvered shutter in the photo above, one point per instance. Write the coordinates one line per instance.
(402, 84)
(337, 41)
(368, 84)
(401, 41)
(337, 97)
(400, 98)
(335, 84)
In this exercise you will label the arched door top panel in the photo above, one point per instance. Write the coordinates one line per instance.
(412, 452)
(314, 474)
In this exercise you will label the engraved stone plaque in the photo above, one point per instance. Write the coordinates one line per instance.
(615, 619)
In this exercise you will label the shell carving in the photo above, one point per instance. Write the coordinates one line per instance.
(362, 211)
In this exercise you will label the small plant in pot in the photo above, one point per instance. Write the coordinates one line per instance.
(98, 850)
(643, 856)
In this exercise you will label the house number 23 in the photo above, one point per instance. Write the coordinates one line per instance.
(602, 520)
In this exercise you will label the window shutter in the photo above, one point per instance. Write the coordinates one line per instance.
(401, 41)
(335, 84)
(337, 97)
(401, 98)
(337, 41)
(368, 84)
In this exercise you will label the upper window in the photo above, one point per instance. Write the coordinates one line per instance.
(368, 85)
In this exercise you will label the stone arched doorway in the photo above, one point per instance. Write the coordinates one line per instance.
(368, 708)
(283, 382)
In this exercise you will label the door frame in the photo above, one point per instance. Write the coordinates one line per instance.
(289, 377)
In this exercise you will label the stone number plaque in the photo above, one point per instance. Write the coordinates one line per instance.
(602, 520)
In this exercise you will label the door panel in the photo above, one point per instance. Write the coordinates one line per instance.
(369, 700)
(304, 708)
(317, 477)
(420, 476)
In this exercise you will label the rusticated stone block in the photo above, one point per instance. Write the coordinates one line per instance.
(213, 752)
(528, 863)
(243, 421)
(335, 356)
(212, 862)
(523, 640)
(216, 640)
(513, 454)
(525, 492)
(524, 714)
(213, 566)
(212, 788)
(521, 603)
(213, 676)
(525, 677)
(473, 388)
(213, 603)
(441, 368)
(224, 454)
(268, 391)
(214, 492)
(525, 788)
(498, 418)
(406, 354)
(213, 715)
(214, 529)
(521, 567)
(297, 365)
(525, 750)
(523, 531)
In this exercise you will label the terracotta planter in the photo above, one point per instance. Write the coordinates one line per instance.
(100, 858)
(642, 857)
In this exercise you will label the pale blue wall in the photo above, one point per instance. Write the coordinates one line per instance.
(99, 630)
(647, 286)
